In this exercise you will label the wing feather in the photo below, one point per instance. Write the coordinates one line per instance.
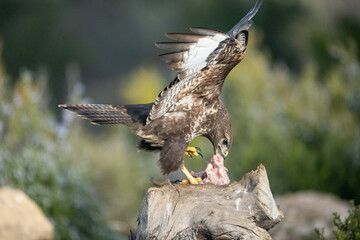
(197, 58)
(174, 46)
(184, 37)
(204, 31)
(190, 55)
(173, 57)
(246, 22)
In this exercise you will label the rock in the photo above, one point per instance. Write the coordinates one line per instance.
(21, 218)
(306, 210)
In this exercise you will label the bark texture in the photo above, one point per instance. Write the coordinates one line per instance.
(240, 210)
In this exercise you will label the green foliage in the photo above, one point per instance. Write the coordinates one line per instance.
(34, 157)
(143, 86)
(319, 233)
(304, 128)
(54, 33)
(306, 132)
(349, 229)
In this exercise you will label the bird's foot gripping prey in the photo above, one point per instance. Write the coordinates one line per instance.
(196, 151)
(215, 172)
(189, 176)
(189, 106)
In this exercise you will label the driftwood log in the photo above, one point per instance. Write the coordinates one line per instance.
(240, 210)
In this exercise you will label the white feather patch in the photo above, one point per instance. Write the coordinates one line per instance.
(192, 62)
(195, 58)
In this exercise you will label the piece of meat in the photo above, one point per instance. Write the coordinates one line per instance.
(216, 172)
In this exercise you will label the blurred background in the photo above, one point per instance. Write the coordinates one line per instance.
(294, 101)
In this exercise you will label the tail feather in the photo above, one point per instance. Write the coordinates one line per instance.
(102, 114)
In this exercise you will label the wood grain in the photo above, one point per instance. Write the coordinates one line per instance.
(240, 210)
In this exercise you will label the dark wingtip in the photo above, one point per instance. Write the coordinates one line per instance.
(246, 22)
(62, 106)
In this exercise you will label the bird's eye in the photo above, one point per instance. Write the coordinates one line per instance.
(225, 141)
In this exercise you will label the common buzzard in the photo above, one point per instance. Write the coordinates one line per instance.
(189, 106)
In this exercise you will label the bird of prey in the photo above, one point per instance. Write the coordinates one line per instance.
(189, 106)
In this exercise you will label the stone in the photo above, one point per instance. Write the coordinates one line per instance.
(21, 218)
(306, 210)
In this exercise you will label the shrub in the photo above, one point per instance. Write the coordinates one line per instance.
(34, 158)
(349, 229)
(305, 129)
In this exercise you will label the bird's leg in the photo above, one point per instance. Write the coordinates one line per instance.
(196, 151)
(190, 178)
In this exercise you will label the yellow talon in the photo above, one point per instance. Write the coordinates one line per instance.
(190, 179)
(185, 181)
(193, 151)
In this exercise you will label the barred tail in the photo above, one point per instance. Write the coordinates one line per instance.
(102, 114)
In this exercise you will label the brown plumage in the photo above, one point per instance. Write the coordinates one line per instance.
(189, 106)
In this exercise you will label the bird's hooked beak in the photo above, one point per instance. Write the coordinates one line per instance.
(222, 152)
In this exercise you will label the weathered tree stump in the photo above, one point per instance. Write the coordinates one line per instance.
(240, 210)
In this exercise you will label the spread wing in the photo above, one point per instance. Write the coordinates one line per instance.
(190, 54)
(202, 60)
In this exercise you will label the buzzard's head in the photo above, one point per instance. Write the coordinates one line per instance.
(220, 134)
(223, 144)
